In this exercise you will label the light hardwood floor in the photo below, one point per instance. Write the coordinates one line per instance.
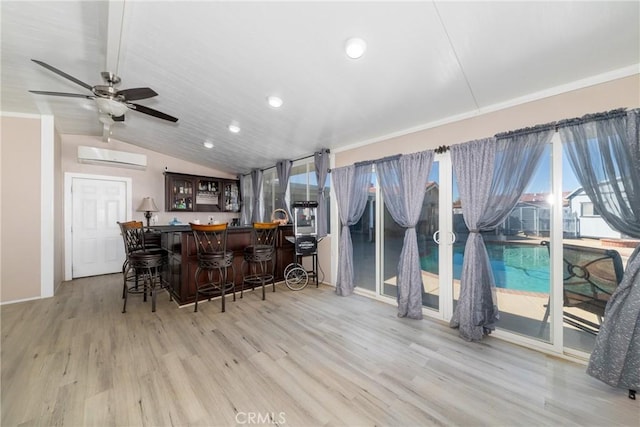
(307, 358)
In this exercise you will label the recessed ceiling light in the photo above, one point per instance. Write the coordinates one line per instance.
(234, 127)
(208, 144)
(355, 47)
(274, 101)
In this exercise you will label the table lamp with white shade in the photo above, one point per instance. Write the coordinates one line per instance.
(147, 206)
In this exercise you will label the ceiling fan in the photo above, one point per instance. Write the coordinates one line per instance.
(111, 101)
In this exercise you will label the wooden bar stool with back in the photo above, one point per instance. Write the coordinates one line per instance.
(213, 257)
(142, 264)
(259, 257)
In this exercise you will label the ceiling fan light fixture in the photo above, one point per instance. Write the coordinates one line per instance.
(208, 144)
(111, 106)
(274, 101)
(355, 47)
(234, 127)
(106, 119)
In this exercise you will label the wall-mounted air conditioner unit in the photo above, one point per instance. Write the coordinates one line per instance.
(104, 157)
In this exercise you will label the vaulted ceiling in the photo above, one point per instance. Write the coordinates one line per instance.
(215, 63)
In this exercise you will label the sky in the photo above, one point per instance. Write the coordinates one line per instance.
(541, 181)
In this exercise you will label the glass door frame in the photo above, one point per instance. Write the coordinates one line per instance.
(445, 256)
(446, 237)
(556, 263)
(445, 248)
(555, 345)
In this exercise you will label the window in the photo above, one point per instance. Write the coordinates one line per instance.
(300, 181)
(269, 190)
(588, 209)
(363, 240)
(247, 196)
(303, 185)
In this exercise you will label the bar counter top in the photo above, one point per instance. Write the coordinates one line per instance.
(186, 227)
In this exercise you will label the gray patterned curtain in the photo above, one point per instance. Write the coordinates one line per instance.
(321, 163)
(256, 186)
(604, 153)
(476, 311)
(351, 184)
(492, 175)
(403, 180)
(283, 169)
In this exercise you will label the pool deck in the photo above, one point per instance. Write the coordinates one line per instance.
(625, 252)
(523, 311)
(531, 305)
(528, 305)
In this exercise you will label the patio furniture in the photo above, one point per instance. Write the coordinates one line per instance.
(590, 275)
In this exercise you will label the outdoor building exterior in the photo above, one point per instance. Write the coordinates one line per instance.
(590, 223)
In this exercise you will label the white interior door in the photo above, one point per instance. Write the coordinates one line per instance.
(97, 205)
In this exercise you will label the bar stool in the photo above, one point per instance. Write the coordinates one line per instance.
(259, 257)
(213, 257)
(133, 242)
(140, 265)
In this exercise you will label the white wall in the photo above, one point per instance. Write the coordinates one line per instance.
(591, 226)
(146, 183)
(20, 231)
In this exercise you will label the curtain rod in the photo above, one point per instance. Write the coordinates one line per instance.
(300, 158)
(364, 163)
(388, 158)
(441, 149)
(538, 128)
(618, 112)
(311, 155)
(528, 130)
(295, 160)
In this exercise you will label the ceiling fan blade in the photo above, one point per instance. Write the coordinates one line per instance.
(70, 95)
(137, 93)
(152, 112)
(63, 74)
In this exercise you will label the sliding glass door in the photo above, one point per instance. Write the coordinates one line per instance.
(518, 250)
(363, 238)
(530, 252)
(434, 238)
(519, 254)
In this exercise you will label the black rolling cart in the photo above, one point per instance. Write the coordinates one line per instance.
(305, 239)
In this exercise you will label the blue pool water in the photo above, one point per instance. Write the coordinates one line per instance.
(523, 267)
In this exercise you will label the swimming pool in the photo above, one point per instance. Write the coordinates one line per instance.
(523, 267)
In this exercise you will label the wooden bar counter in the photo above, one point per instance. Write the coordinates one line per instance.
(178, 241)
